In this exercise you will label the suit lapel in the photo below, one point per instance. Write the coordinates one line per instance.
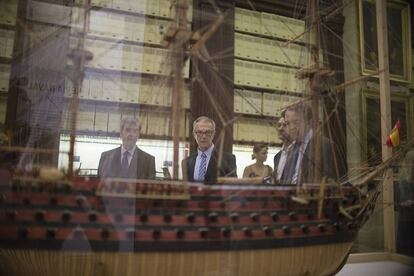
(306, 167)
(116, 162)
(133, 167)
(212, 167)
(277, 159)
(191, 164)
(276, 163)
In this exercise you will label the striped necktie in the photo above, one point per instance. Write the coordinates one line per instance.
(203, 167)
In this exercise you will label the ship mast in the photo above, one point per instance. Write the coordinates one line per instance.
(79, 56)
(385, 107)
(183, 43)
(314, 80)
(178, 44)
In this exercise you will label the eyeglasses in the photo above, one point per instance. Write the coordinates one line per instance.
(200, 133)
(293, 123)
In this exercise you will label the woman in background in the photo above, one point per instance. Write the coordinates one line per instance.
(258, 169)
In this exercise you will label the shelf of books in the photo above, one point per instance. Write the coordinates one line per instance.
(129, 69)
(268, 50)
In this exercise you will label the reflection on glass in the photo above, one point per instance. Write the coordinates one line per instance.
(397, 34)
(404, 206)
(73, 83)
(373, 126)
(371, 236)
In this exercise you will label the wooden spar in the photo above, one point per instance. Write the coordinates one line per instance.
(32, 150)
(341, 87)
(385, 104)
(321, 197)
(314, 89)
(202, 40)
(79, 57)
(385, 165)
(179, 39)
(178, 45)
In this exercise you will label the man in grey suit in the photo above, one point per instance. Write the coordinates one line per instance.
(203, 165)
(127, 161)
(300, 163)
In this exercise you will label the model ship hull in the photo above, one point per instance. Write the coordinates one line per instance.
(121, 227)
(308, 260)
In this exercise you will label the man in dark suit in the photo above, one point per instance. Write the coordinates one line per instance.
(280, 158)
(127, 161)
(203, 165)
(300, 165)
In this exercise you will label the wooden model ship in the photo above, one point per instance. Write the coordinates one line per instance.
(81, 225)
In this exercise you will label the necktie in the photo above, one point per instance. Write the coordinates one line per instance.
(125, 164)
(203, 167)
(290, 166)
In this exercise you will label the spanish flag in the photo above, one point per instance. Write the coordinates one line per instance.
(393, 139)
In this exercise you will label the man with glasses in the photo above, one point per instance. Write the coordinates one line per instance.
(300, 163)
(127, 161)
(203, 165)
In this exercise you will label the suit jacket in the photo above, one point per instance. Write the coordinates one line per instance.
(277, 157)
(276, 160)
(227, 168)
(327, 165)
(142, 165)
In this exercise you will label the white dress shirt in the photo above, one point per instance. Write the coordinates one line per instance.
(208, 153)
(131, 153)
